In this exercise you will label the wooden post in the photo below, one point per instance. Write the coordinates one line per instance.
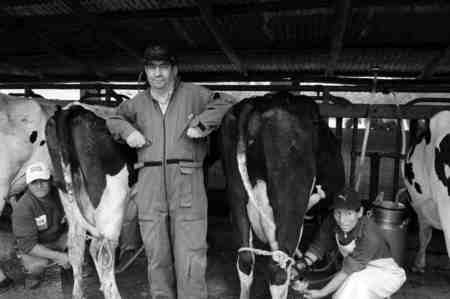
(398, 150)
(353, 152)
(374, 175)
(339, 131)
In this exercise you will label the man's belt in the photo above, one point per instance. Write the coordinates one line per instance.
(187, 162)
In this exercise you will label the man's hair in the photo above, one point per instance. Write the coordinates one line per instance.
(159, 52)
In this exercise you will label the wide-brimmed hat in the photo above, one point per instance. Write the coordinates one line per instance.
(37, 171)
(347, 199)
(159, 52)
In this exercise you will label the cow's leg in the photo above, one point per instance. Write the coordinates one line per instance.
(103, 253)
(76, 245)
(108, 221)
(245, 264)
(425, 233)
(278, 281)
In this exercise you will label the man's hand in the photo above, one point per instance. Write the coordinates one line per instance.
(196, 133)
(63, 260)
(136, 140)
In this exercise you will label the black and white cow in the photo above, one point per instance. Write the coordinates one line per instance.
(92, 173)
(427, 178)
(275, 148)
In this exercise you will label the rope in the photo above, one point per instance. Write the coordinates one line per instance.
(104, 245)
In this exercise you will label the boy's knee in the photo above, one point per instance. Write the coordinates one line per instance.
(34, 265)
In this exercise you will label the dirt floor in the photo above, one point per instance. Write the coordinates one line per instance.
(221, 275)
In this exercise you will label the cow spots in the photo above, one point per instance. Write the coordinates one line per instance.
(418, 188)
(42, 143)
(409, 173)
(33, 136)
(442, 161)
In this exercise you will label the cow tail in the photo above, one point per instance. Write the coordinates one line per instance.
(242, 128)
(67, 164)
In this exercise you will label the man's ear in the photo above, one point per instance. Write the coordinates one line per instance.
(360, 212)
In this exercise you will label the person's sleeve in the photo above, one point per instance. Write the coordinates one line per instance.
(324, 240)
(120, 124)
(24, 229)
(211, 117)
(365, 251)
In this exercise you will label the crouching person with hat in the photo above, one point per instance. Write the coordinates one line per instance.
(368, 269)
(38, 226)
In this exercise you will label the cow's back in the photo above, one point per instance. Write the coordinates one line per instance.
(79, 138)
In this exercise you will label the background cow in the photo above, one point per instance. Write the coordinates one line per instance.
(92, 176)
(271, 148)
(427, 178)
(22, 125)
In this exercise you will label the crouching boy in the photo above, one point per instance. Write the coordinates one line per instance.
(37, 222)
(368, 269)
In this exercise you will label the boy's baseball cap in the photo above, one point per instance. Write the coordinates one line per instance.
(37, 171)
(347, 199)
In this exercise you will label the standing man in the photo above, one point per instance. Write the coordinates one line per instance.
(37, 223)
(167, 123)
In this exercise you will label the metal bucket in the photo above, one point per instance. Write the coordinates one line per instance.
(393, 220)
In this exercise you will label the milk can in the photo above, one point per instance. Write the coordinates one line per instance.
(392, 218)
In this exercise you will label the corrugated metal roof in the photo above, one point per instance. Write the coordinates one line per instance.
(402, 38)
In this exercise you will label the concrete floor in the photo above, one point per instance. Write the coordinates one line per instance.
(221, 275)
(223, 283)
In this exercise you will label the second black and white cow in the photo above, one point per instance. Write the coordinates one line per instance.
(92, 173)
(275, 150)
(427, 178)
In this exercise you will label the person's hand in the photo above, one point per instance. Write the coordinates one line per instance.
(313, 294)
(136, 140)
(301, 264)
(195, 132)
(63, 260)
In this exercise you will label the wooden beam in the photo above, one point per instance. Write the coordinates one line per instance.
(15, 70)
(67, 58)
(208, 18)
(182, 32)
(86, 17)
(433, 64)
(342, 16)
(304, 7)
(318, 88)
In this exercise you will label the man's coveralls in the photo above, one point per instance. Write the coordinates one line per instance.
(171, 198)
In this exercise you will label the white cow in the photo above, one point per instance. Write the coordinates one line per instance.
(22, 134)
(427, 178)
(22, 126)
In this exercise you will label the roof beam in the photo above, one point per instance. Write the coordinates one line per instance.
(86, 17)
(19, 71)
(433, 64)
(176, 24)
(208, 18)
(66, 58)
(342, 16)
(299, 7)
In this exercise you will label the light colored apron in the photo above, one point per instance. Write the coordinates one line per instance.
(380, 279)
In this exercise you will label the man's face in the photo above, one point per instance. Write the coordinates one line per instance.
(39, 188)
(347, 219)
(160, 74)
